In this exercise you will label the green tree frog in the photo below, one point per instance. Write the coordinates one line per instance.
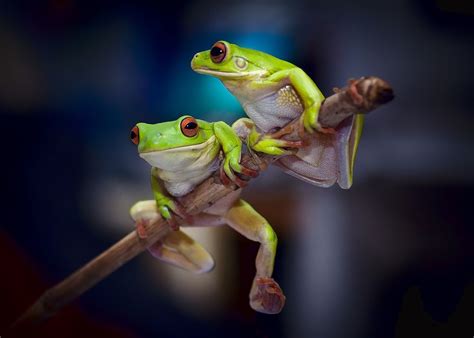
(274, 92)
(183, 153)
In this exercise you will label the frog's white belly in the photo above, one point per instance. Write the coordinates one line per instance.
(326, 160)
(179, 183)
(270, 108)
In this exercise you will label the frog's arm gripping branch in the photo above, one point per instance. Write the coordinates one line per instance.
(361, 96)
(164, 203)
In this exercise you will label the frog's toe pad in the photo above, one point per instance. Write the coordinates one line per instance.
(268, 297)
(141, 225)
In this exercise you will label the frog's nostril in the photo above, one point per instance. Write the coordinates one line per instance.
(196, 55)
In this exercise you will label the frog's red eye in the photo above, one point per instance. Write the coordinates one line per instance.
(189, 126)
(134, 135)
(218, 52)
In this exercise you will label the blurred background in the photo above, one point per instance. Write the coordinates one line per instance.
(391, 257)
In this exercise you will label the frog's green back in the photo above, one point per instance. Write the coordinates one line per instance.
(261, 59)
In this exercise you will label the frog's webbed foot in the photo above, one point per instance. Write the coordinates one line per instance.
(278, 147)
(141, 225)
(266, 296)
(303, 129)
(354, 94)
(288, 129)
(144, 213)
(232, 171)
(177, 209)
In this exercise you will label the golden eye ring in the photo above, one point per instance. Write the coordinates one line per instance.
(189, 126)
(218, 52)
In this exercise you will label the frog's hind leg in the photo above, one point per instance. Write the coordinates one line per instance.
(265, 295)
(177, 248)
(180, 250)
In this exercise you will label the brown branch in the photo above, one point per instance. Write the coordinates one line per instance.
(361, 96)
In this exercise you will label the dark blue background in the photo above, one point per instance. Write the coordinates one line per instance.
(391, 257)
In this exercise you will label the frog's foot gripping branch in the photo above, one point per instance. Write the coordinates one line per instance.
(236, 178)
(266, 296)
(270, 144)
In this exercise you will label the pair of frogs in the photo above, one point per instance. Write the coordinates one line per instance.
(185, 152)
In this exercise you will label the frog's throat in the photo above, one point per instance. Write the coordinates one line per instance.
(194, 147)
(255, 73)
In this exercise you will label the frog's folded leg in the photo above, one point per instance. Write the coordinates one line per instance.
(328, 158)
(177, 248)
(265, 295)
(180, 250)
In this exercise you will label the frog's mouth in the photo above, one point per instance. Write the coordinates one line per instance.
(218, 73)
(178, 156)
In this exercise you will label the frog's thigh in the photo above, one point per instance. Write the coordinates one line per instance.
(177, 248)
(245, 220)
(180, 250)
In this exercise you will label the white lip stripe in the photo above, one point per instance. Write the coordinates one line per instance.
(184, 148)
(228, 74)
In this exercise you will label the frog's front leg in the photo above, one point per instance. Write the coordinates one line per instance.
(232, 148)
(266, 295)
(267, 144)
(167, 206)
(308, 93)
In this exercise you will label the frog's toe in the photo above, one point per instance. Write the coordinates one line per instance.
(249, 172)
(173, 222)
(233, 178)
(225, 180)
(280, 147)
(141, 228)
(308, 127)
(330, 131)
(179, 210)
(240, 182)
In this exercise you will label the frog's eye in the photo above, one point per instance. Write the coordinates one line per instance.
(134, 135)
(218, 52)
(189, 126)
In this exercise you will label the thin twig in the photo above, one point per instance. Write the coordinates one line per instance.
(361, 96)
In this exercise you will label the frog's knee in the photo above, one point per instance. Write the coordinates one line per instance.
(206, 264)
(243, 127)
(144, 210)
(268, 236)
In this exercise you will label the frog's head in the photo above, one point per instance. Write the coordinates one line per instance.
(227, 61)
(169, 145)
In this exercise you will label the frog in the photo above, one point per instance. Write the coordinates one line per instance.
(273, 93)
(182, 154)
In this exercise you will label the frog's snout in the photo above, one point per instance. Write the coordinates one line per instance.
(195, 59)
